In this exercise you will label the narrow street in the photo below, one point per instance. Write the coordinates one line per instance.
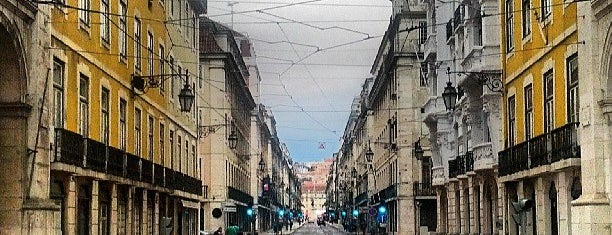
(328, 229)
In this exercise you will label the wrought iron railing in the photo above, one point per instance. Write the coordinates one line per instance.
(559, 144)
(146, 171)
(235, 194)
(96, 155)
(116, 161)
(158, 174)
(449, 30)
(169, 178)
(132, 168)
(423, 189)
(69, 148)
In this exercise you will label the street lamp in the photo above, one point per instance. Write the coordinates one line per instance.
(369, 153)
(418, 150)
(449, 95)
(140, 83)
(262, 165)
(186, 97)
(233, 140)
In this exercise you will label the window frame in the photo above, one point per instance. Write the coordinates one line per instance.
(549, 105)
(105, 115)
(526, 17)
(573, 96)
(105, 21)
(122, 124)
(58, 92)
(84, 104)
(137, 44)
(84, 13)
(528, 103)
(509, 7)
(511, 114)
(138, 131)
(123, 30)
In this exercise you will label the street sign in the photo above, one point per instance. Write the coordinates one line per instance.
(372, 211)
(229, 209)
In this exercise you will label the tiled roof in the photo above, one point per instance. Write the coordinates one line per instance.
(208, 44)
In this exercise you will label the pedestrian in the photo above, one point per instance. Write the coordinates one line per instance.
(291, 224)
(219, 231)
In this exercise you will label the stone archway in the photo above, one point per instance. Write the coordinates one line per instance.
(13, 130)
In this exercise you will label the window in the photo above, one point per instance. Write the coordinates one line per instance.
(58, 93)
(83, 210)
(548, 101)
(84, 8)
(172, 7)
(122, 124)
(195, 162)
(137, 131)
(478, 27)
(546, 6)
(180, 71)
(162, 69)
(509, 25)
(186, 156)
(123, 30)
(137, 45)
(526, 15)
(422, 32)
(150, 53)
(162, 148)
(511, 121)
(172, 148)
(105, 114)
(105, 21)
(424, 71)
(150, 144)
(180, 150)
(84, 105)
(171, 61)
(528, 112)
(573, 99)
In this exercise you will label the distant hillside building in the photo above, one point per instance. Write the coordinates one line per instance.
(314, 176)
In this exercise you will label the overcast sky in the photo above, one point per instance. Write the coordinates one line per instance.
(309, 83)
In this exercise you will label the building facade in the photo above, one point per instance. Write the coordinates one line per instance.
(25, 124)
(124, 159)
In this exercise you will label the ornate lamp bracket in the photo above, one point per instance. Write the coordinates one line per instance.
(492, 79)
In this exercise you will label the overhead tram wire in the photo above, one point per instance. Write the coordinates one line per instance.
(313, 4)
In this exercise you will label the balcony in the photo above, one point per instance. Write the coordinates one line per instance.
(450, 33)
(158, 174)
(423, 190)
(147, 171)
(559, 144)
(132, 167)
(233, 193)
(437, 176)
(483, 156)
(116, 161)
(73, 149)
(96, 155)
(459, 18)
(430, 47)
(69, 148)
(461, 165)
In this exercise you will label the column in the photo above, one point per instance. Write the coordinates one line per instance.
(541, 201)
(71, 203)
(144, 217)
(113, 210)
(156, 214)
(130, 208)
(95, 186)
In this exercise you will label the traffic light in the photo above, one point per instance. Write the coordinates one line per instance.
(382, 210)
(343, 213)
(521, 206)
(249, 212)
(281, 212)
(165, 226)
(355, 213)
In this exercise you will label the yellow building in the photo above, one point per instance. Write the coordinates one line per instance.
(125, 155)
(541, 156)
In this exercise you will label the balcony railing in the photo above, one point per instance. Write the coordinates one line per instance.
(73, 149)
(147, 171)
(461, 165)
(424, 189)
(158, 174)
(133, 166)
(70, 147)
(96, 155)
(238, 195)
(559, 144)
(116, 161)
(450, 33)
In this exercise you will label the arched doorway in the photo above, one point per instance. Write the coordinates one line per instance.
(13, 131)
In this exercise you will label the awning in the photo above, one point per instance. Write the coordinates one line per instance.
(190, 204)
